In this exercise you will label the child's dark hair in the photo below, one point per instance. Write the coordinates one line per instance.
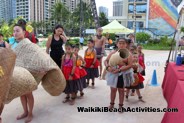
(1, 34)
(91, 40)
(68, 45)
(129, 41)
(98, 28)
(134, 47)
(21, 26)
(57, 27)
(122, 39)
(21, 22)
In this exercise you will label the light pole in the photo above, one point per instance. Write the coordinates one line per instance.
(134, 21)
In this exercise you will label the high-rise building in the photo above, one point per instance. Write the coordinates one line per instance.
(23, 9)
(34, 10)
(123, 11)
(141, 14)
(118, 8)
(72, 4)
(6, 10)
(47, 7)
(104, 10)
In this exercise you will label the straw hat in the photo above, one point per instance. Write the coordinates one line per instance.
(117, 57)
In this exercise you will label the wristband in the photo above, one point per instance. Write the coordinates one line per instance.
(71, 74)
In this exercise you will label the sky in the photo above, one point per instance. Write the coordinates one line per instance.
(105, 3)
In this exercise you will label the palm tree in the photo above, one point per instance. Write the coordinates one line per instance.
(87, 17)
(59, 13)
(103, 19)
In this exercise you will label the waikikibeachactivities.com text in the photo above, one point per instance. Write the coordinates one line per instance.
(128, 109)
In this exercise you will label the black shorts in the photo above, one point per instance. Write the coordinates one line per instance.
(120, 83)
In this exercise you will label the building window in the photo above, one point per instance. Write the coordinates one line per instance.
(140, 8)
(130, 8)
(139, 24)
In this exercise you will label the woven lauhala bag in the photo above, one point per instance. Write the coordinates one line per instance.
(35, 60)
(7, 62)
(22, 82)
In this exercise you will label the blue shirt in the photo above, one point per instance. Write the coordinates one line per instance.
(13, 43)
(81, 40)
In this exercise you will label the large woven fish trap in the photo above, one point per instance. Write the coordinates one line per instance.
(41, 66)
(22, 82)
(7, 62)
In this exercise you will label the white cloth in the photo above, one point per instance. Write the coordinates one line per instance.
(128, 77)
(112, 79)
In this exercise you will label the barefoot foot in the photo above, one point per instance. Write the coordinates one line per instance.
(29, 119)
(24, 115)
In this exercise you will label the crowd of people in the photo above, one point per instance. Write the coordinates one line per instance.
(79, 70)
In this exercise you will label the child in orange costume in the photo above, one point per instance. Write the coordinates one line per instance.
(92, 63)
(80, 63)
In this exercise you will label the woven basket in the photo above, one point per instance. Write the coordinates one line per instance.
(54, 82)
(35, 60)
(117, 57)
(22, 82)
(7, 62)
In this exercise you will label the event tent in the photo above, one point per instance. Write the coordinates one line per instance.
(116, 27)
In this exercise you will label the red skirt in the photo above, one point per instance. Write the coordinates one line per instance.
(82, 72)
(89, 62)
(141, 78)
(67, 71)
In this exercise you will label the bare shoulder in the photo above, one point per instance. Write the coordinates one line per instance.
(50, 38)
(73, 56)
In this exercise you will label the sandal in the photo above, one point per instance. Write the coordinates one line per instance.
(111, 106)
(93, 85)
(140, 99)
(67, 99)
(81, 94)
(87, 84)
(72, 102)
(120, 108)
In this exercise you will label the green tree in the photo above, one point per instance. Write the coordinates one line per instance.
(86, 16)
(103, 19)
(59, 13)
(142, 37)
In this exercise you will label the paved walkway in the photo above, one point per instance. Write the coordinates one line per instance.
(50, 109)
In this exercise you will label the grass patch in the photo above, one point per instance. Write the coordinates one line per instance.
(156, 47)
